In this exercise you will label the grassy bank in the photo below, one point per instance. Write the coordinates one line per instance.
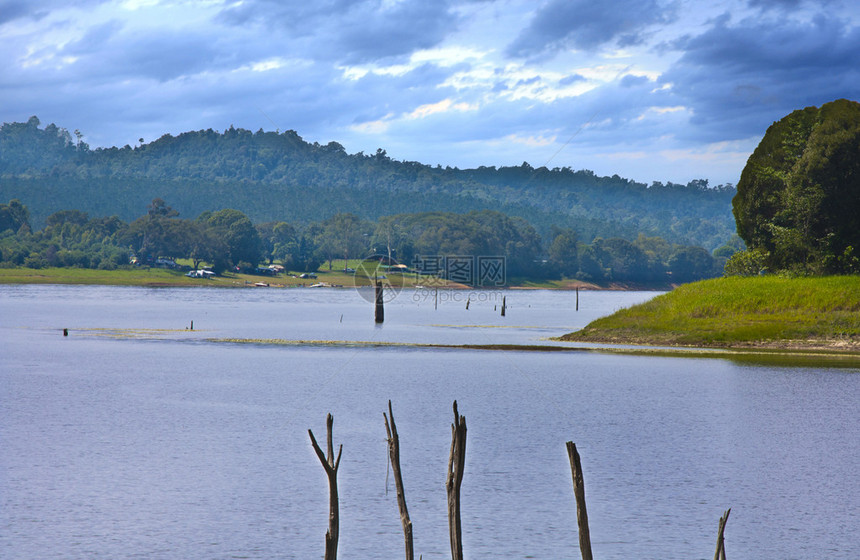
(342, 273)
(130, 277)
(767, 312)
(163, 277)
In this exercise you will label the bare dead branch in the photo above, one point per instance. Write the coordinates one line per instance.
(394, 455)
(720, 554)
(330, 465)
(456, 464)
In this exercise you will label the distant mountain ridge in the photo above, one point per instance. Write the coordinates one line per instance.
(279, 176)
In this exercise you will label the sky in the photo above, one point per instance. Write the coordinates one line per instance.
(650, 90)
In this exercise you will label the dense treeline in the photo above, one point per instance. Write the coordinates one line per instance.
(798, 200)
(227, 238)
(278, 176)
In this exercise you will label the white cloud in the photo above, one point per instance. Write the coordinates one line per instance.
(133, 5)
(448, 56)
(531, 140)
(443, 106)
(378, 126)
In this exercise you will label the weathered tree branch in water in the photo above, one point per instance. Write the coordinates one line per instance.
(720, 554)
(456, 462)
(453, 483)
(394, 455)
(579, 492)
(330, 464)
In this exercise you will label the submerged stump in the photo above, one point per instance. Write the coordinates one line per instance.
(579, 492)
(379, 316)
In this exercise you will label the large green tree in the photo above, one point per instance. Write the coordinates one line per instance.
(154, 234)
(798, 199)
(345, 236)
(280, 241)
(691, 263)
(623, 259)
(13, 216)
(237, 232)
(563, 255)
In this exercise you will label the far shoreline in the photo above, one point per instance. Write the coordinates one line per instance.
(164, 278)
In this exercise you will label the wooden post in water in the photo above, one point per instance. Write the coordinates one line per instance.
(504, 304)
(394, 455)
(579, 492)
(577, 298)
(468, 301)
(456, 463)
(380, 309)
(720, 554)
(330, 464)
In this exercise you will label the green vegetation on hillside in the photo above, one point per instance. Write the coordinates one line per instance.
(272, 176)
(798, 199)
(736, 311)
(228, 240)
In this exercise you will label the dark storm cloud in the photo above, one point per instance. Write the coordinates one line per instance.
(586, 25)
(298, 16)
(609, 116)
(170, 55)
(94, 39)
(781, 5)
(351, 31)
(411, 26)
(116, 50)
(11, 10)
(774, 4)
(528, 81)
(572, 79)
(161, 56)
(369, 98)
(739, 78)
(15, 9)
(630, 81)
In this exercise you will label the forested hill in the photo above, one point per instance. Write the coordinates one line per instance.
(279, 176)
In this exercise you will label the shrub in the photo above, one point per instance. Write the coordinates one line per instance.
(750, 262)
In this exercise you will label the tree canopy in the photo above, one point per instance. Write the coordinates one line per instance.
(798, 198)
(227, 238)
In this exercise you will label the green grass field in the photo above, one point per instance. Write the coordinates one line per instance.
(130, 277)
(157, 277)
(162, 277)
(735, 311)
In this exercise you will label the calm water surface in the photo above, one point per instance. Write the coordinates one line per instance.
(134, 437)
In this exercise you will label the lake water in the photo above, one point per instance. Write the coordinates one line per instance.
(135, 437)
